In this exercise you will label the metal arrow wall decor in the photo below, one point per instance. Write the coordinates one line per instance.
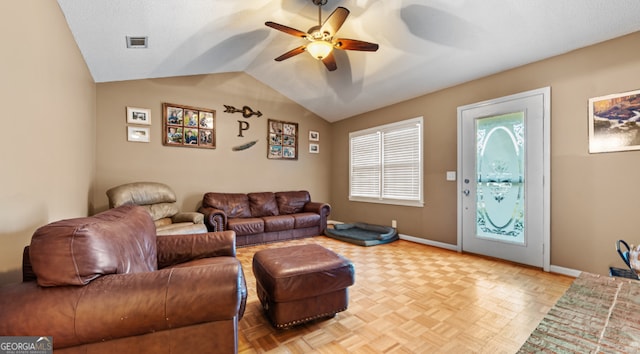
(246, 111)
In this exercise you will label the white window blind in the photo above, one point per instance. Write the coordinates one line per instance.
(386, 163)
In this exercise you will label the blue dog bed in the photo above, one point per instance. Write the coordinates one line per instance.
(362, 234)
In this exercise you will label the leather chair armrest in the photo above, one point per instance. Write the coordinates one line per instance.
(123, 305)
(215, 219)
(175, 249)
(191, 216)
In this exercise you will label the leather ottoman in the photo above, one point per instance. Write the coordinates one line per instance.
(297, 284)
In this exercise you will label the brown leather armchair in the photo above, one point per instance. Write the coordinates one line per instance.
(107, 284)
(160, 201)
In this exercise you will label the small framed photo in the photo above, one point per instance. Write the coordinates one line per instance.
(138, 116)
(314, 135)
(174, 135)
(138, 134)
(314, 148)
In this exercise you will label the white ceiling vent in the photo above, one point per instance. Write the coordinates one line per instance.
(136, 42)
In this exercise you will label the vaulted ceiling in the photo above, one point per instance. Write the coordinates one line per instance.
(425, 45)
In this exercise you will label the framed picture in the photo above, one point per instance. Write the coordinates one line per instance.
(614, 122)
(314, 148)
(138, 116)
(138, 134)
(283, 140)
(188, 126)
(314, 136)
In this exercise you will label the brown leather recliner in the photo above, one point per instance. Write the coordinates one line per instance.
(107, 284)
(160, 201)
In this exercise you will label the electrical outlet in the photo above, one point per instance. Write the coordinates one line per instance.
(394, 223)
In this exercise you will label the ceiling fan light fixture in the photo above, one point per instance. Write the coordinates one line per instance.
(319, 49)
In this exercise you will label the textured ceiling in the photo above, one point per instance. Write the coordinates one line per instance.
(425, 45)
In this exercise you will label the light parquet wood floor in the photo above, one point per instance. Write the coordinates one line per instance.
(413, 298)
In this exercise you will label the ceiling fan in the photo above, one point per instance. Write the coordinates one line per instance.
(321, 37)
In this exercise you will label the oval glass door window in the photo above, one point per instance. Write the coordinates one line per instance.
(500, 178)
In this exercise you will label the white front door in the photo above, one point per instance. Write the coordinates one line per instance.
(503, 164)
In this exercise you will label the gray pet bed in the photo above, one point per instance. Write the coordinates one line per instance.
(362, 234)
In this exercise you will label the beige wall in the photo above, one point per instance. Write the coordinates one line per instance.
(48, 123)
(594, 196)
(190, 171)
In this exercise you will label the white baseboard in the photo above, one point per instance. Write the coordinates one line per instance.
(565, 271)
(553, 269)
(429, 242)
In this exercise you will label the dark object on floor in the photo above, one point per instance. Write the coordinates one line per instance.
(362, 234)
(625, 255)
(302, 283)
(597, 314)
(622, 273)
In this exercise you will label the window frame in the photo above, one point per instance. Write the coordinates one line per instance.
(380, 131)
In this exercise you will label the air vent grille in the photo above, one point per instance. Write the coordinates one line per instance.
(136, 42)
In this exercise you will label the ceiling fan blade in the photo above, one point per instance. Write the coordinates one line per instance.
(333, 23)
(291, 53)
(330, 62)
(354, 44)
(286, 29)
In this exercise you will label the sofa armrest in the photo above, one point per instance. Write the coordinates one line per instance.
(215, 219)
(323, 209)
(175, 249)
(188, 216)
(123, 305)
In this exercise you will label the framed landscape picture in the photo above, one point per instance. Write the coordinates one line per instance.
(283, 140)
(188, 126)
(614, 122)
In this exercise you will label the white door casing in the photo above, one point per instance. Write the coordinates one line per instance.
(503, 184)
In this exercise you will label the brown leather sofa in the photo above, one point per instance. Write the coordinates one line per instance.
(107, 284)
(265, 217)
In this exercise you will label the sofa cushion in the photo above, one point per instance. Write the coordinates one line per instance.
(246, 226)
(235, 205)
(278, 223)
(303, 220)
(76, 251)
(292, 202)
(263, 204)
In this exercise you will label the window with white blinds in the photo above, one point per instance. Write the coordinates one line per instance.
(386, 164)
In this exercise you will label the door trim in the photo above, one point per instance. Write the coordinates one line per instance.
(546, 178)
